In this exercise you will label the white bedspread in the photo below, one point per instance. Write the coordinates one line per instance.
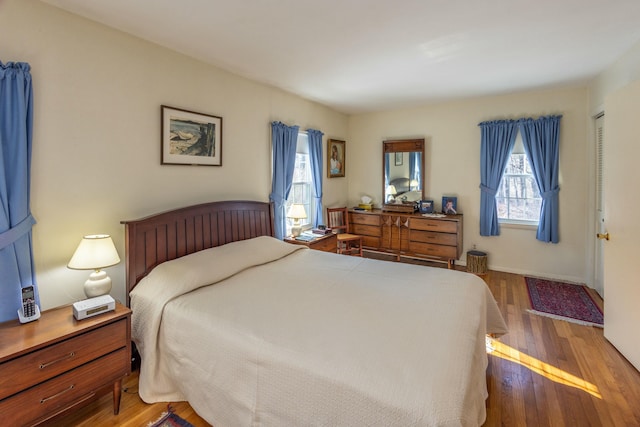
(312, 338)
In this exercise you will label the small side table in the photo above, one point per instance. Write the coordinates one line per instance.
(326, 243)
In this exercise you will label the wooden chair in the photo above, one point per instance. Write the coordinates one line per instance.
(338, 221)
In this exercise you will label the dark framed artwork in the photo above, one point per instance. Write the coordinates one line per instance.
(190, 138)
(335, 158)
(449, 205)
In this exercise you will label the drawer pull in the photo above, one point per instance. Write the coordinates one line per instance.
(47, 364)
(45, 399)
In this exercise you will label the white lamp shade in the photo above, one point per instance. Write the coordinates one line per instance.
(297, 211)
(94, 252)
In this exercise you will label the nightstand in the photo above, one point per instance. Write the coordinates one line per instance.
(327, 243)
(57, 363)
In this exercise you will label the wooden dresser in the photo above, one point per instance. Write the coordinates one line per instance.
(56, 363)
(409, 234)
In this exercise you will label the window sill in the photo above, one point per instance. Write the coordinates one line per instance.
(523, 225)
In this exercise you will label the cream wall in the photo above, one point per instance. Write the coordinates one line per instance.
(96, 157)
(622, 72)
(453, 168)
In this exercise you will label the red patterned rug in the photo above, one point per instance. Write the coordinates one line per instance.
(564, 301)
(169, 419)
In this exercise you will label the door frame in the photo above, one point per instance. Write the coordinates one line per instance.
(598, 216)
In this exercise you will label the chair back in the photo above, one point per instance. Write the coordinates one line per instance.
(338, 219)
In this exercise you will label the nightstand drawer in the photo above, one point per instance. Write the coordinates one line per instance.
(33, 368)
(64, 390)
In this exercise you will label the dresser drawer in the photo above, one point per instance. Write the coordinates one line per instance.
(33, 368)
(365, 230)
(438, 251)
(434, 225)
(365, 219)
(64, 390)
(433, 237)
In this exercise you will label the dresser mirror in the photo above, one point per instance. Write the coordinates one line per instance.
(403, 174)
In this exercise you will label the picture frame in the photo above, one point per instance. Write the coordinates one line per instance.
(190, 138)
(426, 206)
(336, 159)
(398, 159)
(449, 205)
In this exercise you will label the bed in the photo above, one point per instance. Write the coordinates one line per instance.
(253, 331)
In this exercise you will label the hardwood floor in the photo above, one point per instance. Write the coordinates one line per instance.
(544, 372)
(548, 372)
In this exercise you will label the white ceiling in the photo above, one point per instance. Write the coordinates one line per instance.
(368, 55)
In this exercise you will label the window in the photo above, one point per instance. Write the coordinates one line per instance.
(518, 197)
(302, 185)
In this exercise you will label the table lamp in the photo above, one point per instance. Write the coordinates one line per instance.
(296, 212)
(95, 252)
(390, 192)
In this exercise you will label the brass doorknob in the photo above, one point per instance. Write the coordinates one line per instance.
(604, 236)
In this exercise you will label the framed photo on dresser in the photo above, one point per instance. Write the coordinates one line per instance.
(449, 205)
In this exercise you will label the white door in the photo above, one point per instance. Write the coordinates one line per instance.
(599, 215)
(621, 207)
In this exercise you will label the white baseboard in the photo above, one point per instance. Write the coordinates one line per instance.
(572, 279)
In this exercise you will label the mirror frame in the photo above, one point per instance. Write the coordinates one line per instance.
(402, 146)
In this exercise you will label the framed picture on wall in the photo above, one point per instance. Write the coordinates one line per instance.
(335, 158)
(449, 205)
(398, 161)
(190, 138)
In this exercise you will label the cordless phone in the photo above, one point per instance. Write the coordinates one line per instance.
(30, 310)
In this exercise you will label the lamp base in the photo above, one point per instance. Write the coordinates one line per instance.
(99, 283)
(296, 230)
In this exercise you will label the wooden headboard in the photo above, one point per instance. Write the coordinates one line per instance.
(165, 236)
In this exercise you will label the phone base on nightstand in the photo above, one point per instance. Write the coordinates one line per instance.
(27, 319)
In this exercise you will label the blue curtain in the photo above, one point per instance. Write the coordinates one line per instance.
(497, 140)
(387, 160)
(541, 143)
(284, 140)
(315, 157)
(16, 123)
(414, 170)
